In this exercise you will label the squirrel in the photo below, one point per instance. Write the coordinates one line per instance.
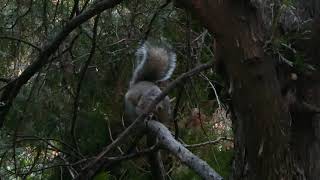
(154, 63)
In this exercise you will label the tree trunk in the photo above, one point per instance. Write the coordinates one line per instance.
(261, 120)
(305, 91)
(306, 111)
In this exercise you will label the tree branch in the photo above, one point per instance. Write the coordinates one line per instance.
(168, 142)
(208, 142)
(22, 41)
(156, 165)
(13, 88)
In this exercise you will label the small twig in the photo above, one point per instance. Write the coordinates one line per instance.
(84, 6)
(46, 140)
(4, 5)
(158, 171)
(208, 142)
(175, 112)
(214, 89)
(34, 163)
(135, 155)
(75, 9)
(55, 148)
(22, 41)
(73, 173)
(153, 18)
(22, 15)
(110, 134)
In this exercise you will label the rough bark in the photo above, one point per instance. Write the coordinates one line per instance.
(306, 112)
(304, 92)
(261, 120)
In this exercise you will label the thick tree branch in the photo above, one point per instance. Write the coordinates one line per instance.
(168, 142)
(13, 88)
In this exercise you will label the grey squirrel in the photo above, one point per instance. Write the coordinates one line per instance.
(154, 63)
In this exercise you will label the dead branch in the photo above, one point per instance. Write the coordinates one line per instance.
(168, 142)
(218, 140)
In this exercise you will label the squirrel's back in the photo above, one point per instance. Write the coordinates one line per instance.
(155, 62)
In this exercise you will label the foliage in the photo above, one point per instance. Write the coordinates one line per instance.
(38, 142)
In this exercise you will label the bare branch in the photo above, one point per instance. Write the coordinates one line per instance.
(218, 140)
(168, 142)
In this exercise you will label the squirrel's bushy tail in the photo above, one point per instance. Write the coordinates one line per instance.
(154, 63)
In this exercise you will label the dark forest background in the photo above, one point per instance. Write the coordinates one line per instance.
(65, 67)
